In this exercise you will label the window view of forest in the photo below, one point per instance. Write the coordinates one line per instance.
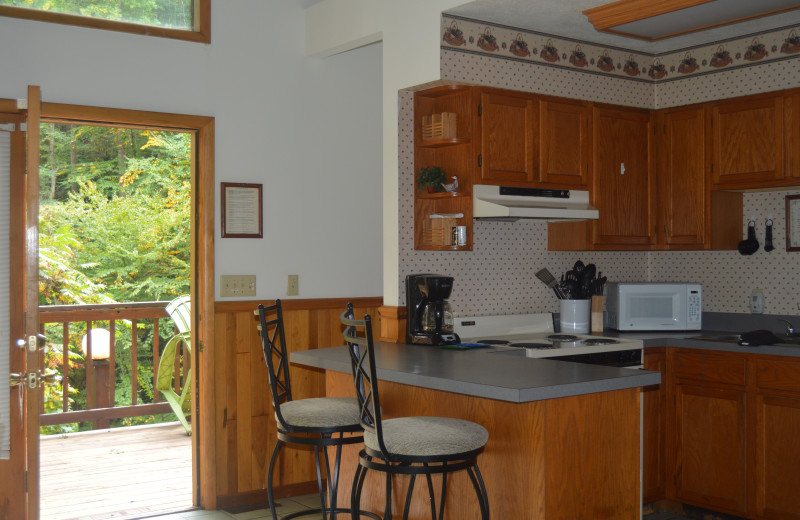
(114, 226)
(175, 14)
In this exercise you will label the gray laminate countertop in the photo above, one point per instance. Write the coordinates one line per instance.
(691, 340)
(484, 372)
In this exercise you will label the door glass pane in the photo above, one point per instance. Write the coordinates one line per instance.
(5, 362)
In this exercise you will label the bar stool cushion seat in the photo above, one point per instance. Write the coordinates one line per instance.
(428, 436)
(322, 412)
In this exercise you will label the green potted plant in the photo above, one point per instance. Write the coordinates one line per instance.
(431, 179)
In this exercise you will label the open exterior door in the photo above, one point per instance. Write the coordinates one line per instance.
(19, 475)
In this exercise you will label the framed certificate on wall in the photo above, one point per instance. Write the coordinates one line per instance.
(793, 222)
(241, 210)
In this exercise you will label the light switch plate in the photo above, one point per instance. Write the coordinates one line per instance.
(757, 301)
(293, 285)
(237, 285)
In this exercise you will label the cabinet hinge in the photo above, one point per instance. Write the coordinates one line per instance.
(480, 109)
(480, 160)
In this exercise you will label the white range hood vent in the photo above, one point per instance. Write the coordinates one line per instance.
(509, 203)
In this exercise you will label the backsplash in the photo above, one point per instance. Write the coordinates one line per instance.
(498, 276)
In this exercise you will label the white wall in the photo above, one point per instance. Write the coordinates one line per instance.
(309, 129)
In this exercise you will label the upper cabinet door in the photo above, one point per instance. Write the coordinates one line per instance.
(508, 138)
(793, 135)
(747, 142)
(622, 179)
(681, 178)
(564, 142)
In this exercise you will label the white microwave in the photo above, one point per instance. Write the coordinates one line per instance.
(654, 306)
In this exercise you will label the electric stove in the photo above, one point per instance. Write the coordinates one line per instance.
(532, 335)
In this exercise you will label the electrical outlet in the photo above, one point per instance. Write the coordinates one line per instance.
(293, 285)
(232, 286)
(757, 301)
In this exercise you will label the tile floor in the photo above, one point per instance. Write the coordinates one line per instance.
(284, 506)
(289, 505)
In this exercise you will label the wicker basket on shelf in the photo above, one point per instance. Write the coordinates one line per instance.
(439, 126)
(438, 231)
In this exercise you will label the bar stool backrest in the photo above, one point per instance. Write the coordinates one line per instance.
(362, 359)
(273, 343)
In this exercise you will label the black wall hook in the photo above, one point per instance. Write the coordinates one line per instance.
(749, 245)
(768, 239)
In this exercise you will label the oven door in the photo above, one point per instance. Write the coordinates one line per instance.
(631, 358)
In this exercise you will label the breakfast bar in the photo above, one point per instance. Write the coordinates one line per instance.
(564, 438)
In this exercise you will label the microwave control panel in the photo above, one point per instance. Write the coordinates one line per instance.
(695, 312)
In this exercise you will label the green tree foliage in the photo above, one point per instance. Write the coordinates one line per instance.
(162, 13)
(114, 226)
(131, 210)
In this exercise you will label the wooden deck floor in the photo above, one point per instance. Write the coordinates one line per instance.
(122, 473)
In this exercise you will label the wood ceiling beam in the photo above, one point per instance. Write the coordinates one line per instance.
(625, 11)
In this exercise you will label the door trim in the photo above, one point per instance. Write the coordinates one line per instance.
(202, 286)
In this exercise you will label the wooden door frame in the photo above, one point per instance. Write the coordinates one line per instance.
(202, 284)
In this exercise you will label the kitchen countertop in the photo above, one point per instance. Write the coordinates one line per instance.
(485, 372)
(687, 339)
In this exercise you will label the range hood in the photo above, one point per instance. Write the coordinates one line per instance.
(511, 203)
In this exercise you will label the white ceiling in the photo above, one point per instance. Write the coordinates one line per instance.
(565, 18)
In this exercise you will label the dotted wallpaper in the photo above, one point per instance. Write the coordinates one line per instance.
(728, 277)
(498, 276)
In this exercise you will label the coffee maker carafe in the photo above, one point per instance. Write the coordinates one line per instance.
(429, 316)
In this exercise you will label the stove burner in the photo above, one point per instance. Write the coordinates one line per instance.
(538, 346)
(492, 342)
(600, 341)
(563, 337)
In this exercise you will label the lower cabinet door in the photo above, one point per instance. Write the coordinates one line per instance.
(777, 459)
(711, 460)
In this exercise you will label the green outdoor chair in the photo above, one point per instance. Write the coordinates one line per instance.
(179, 310)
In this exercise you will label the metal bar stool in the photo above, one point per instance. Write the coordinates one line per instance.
(305, 422)
(407, 445)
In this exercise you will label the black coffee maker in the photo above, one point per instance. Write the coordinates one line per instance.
(429, 316)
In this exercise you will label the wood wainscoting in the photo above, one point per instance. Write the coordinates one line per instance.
(244, 424)
(392, 324)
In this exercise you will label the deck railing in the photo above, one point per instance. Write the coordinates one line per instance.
(141, 319)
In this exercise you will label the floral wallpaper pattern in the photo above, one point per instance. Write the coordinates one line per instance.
(467, 35)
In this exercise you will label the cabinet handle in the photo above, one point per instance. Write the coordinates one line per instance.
(480, 160)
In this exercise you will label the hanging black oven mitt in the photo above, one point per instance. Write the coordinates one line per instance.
(768, 239)
(750, 244)
(758, 337)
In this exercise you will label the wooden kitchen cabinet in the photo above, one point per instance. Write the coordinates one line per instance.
(710, 448)
(732, 430)
(709, 433)
(622, 186)
(509, 138)
(455, 155)
(747, 142)
(776, 416)
(565, 141)
(793, 135)
(690, 215)
(654, 419)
